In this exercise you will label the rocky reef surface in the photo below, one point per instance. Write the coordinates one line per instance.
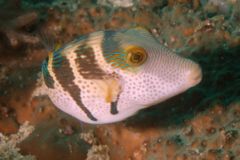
(200, 124)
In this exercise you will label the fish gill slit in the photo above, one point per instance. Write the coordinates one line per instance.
(48, 79)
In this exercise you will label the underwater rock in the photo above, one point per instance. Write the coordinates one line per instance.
(211, 135)
(212, 7)
(66, 5)
(97, 151)
(116, 3)
(25, 20)
(8, 126)
(17, 42)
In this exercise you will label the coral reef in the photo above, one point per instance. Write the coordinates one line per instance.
(218, 6)
(202, 123)
(18, 41)
(97, 151)
(8, 149)
(213, 134)
(116, 3)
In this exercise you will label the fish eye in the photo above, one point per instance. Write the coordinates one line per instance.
(136, 56)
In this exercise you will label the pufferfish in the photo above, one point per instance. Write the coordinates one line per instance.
(108, 76)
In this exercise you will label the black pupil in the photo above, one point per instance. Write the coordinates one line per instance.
(137, 57)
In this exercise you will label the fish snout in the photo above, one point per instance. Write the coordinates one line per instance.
(194, 75)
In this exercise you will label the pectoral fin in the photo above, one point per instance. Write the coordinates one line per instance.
(110, 89)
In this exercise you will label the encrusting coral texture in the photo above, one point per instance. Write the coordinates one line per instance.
(8, 148)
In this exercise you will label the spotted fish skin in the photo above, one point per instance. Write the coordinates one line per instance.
(108, 76)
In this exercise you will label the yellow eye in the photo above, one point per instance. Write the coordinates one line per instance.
(136, 56)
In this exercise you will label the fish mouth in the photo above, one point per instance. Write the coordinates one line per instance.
(194, 75)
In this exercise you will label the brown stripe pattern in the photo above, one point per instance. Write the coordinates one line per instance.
(88, 67)
(65, 77)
